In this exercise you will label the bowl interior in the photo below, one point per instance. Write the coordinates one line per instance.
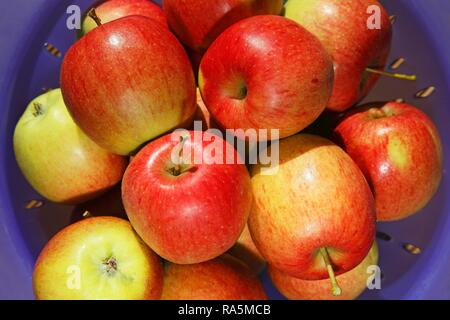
(405, 275)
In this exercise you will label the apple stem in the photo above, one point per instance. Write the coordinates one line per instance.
(37, 109)
(335, 289)
(87, 214)
(95, 17)
(177, 169)
(392, 74)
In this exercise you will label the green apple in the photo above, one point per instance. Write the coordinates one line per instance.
(97, 258)
(57, 158)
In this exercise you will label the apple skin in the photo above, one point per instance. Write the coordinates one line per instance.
(175, 214)
(111, 10)
(246, 251)
(59, 161)
(199, 22)
(88, 244)
(399, 150)
(316, 198)
(352, 283)
(224, 278)
(266, 72)
(353, 48)
(120, 89)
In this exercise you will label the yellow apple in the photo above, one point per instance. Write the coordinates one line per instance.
(97, 258)
(57, 158)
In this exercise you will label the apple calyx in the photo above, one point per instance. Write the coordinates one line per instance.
(38, 110)
(335, 289)
(93, 15)
(110, 265)
(242, 92)
(412, 77)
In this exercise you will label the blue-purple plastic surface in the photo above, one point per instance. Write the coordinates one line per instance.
(422, 36)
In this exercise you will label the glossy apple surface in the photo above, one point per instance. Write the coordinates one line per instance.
(192, 213)
(352, 283)
(342, 27)
(57, 158)
(223, 278)
(127, 82)
(315, 198)
(399, 150)
(198, 22)
(266, 72)
(97, 258)
(111, 10)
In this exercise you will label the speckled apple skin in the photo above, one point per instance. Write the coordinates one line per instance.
(198, 23)
(342, 28)
(400, 154)
(111, 10)
(86, 244)
(120, 87)
(195, 216)
(287, 74)
(317, 197)
(224, 278)
(352, 283)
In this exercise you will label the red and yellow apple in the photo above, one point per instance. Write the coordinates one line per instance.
(97, 258)
(59, 161)
(111, 10)
(352, 283)
(399, 151)
(191, 211)
(223, 278)
(343, 28)
(127, 82)
(199, 22)
(315, 200)
(266, 72)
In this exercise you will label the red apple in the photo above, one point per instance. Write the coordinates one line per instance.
(342, 27)
(399, 151)
(193, 211)
(315, 203)
(224, 278)
(111, 10)
(352, 283)
(127, 82)
(198, 22)
(266, 72)
(246, 251)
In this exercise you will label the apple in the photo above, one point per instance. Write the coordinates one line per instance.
(111, 10)
(127, 82)
(59, 161)
(399, 151)
(353, 282)
(246, 251)
(97, 258)
(192, 211)
(266, 72)
(202, 114)
(314, 207)
(342, 27)
(109, 204)
(198, 22)
(223, 278)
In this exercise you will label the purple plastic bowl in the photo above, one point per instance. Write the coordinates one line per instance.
(421, 36)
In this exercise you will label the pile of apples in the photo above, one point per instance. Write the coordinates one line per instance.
(204, 231)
